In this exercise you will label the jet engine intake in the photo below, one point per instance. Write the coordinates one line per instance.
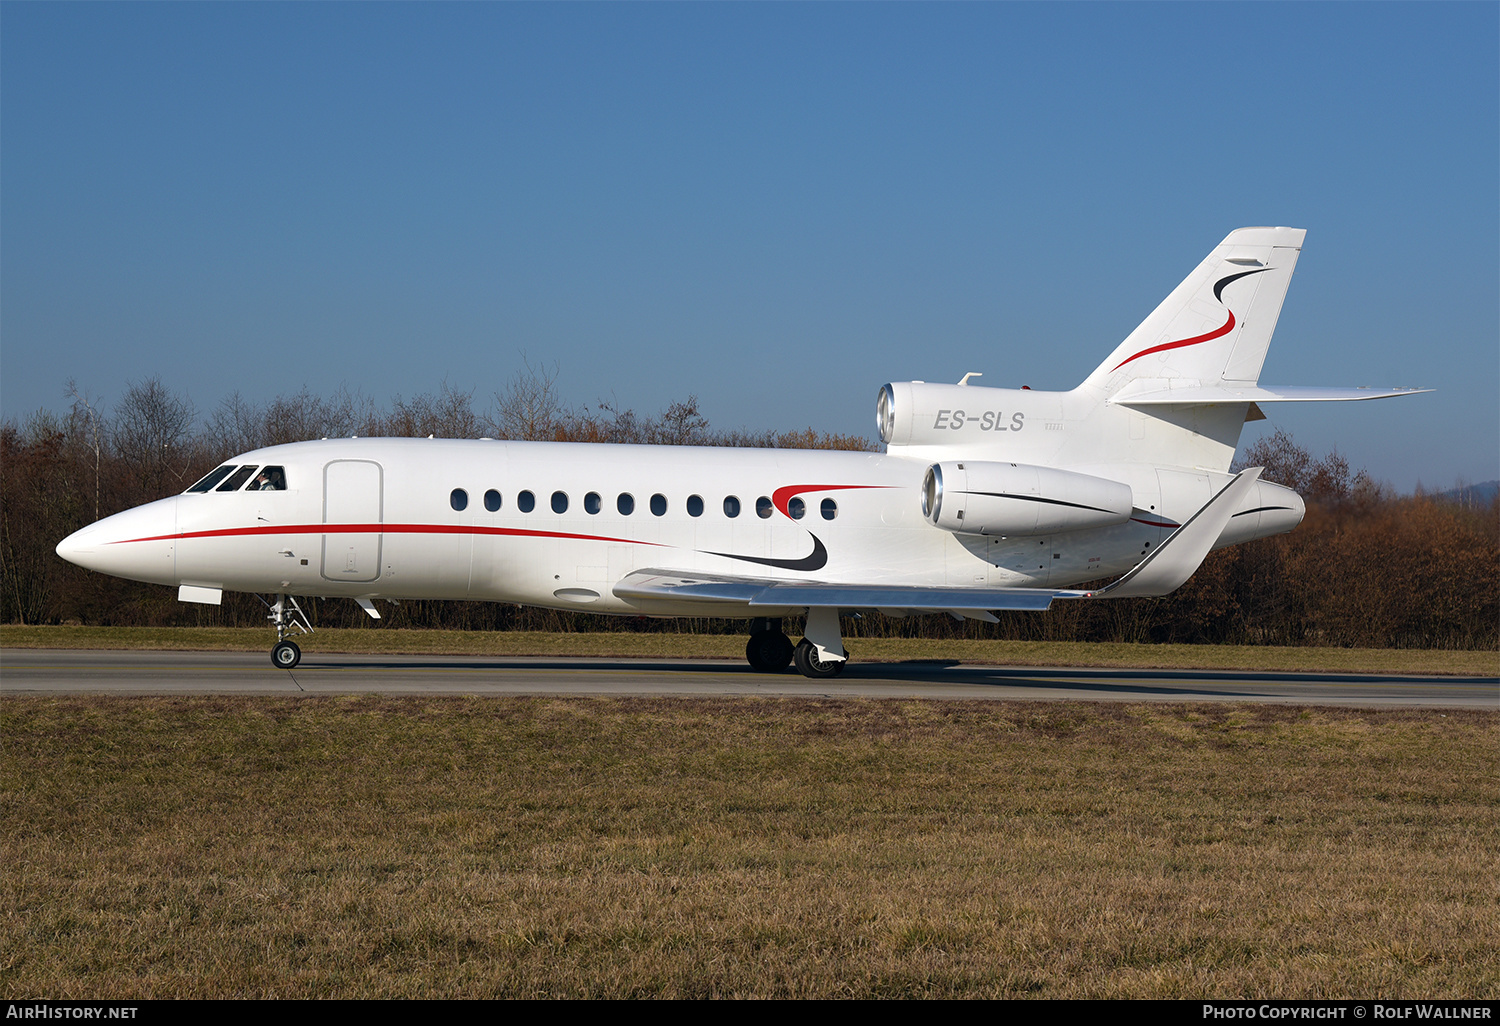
(1017, 499)
(920, 413)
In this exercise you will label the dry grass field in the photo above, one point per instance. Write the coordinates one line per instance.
(375, 847)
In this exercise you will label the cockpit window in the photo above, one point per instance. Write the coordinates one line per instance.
(271, 479)
(238, 478)
(213, 478)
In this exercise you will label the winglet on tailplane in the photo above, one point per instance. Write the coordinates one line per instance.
(1166, 569)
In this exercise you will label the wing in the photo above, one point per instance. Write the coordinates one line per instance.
(767, 597)
(1160, 573)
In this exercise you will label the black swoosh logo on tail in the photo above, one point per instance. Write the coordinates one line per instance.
(1219, 285)
(817, 560)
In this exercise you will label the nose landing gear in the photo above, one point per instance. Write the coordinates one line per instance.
(286, 654)
(286, 615)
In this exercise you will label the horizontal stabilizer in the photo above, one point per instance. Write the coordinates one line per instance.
(1204, 395)
(1166, 569)
(648, 585)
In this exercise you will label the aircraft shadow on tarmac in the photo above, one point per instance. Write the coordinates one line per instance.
(933, 671)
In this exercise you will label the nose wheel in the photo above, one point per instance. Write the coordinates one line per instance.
(286, 655)
(286, 616)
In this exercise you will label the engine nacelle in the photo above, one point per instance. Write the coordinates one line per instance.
(920, 413)
(1016, 499)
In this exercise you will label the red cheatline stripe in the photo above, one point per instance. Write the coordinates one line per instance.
(781, 496)
(1226, 329)
(1153, 523)
(234, 532)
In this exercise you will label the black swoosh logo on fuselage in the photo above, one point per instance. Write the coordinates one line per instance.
(817, 560)
(1039, 498)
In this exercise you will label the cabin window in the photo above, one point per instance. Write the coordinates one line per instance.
(559, 502)
(695, 505)
(797, 508)
(592, 503)
(213, 478)
(492, 500)
(830, 509)
(238, 478)
(625, 504)
(763, 507)
(271, 479)
(731, 506)
(658, 505)
(458, 499)
(526, 502)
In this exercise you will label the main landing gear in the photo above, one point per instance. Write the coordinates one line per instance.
(286, 616)
(768, 650)
(771, 651)
(810, 665)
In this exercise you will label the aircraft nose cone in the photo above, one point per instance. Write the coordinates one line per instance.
(75, 547)
(136, 544)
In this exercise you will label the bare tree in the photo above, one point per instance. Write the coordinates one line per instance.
(85, 416)
(448, 414)
(304, 416)
(1285, 462)
(529, 409)
(151, 433)
(237, 426)
(681, 424)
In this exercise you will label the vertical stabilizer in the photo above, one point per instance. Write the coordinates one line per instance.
(1215, 327)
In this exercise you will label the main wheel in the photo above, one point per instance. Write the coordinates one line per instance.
(768, 651)
(809, 665)
(286, 655)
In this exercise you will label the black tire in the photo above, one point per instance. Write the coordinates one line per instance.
(286, 655)
(768, 651)
(808, 664)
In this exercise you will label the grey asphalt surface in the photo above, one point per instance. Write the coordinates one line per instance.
(58, 672)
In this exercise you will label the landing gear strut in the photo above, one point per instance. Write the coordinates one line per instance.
(821, 653)
(286, 616)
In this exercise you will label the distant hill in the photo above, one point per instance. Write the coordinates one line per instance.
(1471, 495)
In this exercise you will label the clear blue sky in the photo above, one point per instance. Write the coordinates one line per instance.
(777, 207)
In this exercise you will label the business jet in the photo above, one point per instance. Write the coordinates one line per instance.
(985, 499)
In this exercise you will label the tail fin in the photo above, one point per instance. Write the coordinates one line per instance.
(1215, 327)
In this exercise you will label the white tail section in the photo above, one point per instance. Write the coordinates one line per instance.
(1215, 327)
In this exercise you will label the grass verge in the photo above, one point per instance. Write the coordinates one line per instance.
(723, 646)
(462, 847)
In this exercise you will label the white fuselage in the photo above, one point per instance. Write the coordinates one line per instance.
(376, 518)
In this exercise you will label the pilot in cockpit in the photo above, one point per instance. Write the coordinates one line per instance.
(272, 479)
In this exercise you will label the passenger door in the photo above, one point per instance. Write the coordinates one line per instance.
(352, 497)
